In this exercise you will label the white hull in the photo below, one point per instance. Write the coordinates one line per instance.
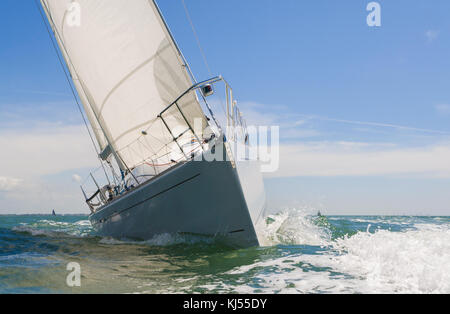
(219, 199)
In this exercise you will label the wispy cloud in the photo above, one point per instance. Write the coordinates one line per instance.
(76, 178)
(41, 92)
(378, 124)
(8, 184)
(45, 151)
(431, 35)
(38, 115)
(443, 109)
(45, 159)
(332, 154)
(292, 123)
(331, 159)
(39, 195)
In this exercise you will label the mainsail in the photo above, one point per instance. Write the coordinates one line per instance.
(127, 69)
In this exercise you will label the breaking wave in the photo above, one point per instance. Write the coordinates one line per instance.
(413, 260)
(83, 229)
(162, 240)
(51, 228)
(293, 227)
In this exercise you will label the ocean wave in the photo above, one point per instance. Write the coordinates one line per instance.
(293, 227)
(412, 261)
(52, 229)
(415, 260)
(303, 253)
(37, 232)
(162, 240)
(83, 229)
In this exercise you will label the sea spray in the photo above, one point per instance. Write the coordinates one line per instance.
(293, 227)
(414, 260)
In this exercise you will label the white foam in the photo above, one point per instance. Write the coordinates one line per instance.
(50, 228)
(413, 261)
(379, 220)
(416, 260)
(53, 223)
(83, 223)
(292, 227)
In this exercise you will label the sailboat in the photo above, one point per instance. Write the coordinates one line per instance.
(169, 167)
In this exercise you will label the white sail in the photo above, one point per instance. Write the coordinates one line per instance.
(127, 70)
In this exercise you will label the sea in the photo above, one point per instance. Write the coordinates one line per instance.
(301, 252)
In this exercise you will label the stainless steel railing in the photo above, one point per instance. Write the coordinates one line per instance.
(101, 192)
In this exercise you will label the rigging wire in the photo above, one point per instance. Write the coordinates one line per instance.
(205, 60)
(202, 52)
(66, 75)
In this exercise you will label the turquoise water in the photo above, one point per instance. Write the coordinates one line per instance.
(302, 253)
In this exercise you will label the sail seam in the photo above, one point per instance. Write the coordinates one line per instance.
(129, 75)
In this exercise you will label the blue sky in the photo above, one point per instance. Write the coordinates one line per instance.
(364, 112)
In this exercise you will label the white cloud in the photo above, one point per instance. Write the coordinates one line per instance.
(45, 151)
(351, 158)
(295, 133)
(299, 125)
(38, 195)
(8, 184)
(331, 159)
(443, 109)
(40, 157)
(378, 124)
(76, 178)
(432, 35)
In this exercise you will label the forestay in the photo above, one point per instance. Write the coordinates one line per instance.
(127, 70)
